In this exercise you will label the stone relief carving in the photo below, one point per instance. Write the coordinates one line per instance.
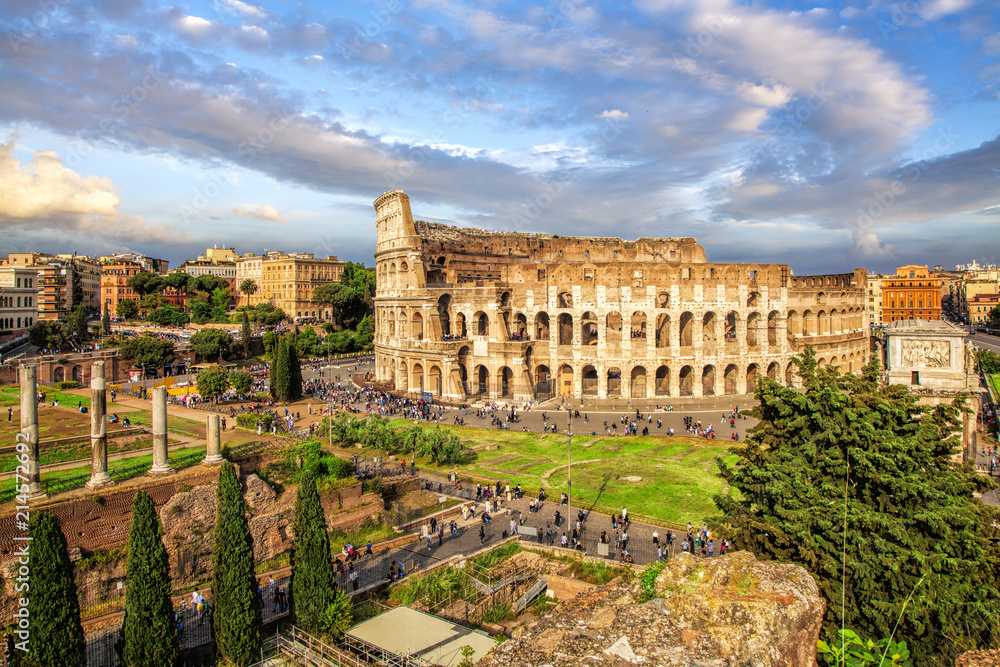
(925, 353)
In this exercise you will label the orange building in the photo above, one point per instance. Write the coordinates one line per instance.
(913, 294)
(114, 284)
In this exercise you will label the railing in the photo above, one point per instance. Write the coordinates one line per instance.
(381, 656)
(297, 643)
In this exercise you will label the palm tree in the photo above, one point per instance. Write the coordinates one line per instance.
(248, 286)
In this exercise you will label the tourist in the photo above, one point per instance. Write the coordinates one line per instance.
(656, 539)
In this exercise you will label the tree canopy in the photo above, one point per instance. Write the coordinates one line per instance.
(212, 342)
(849, 450)
(56, 633)
(346, 303)
(144, 283)
(48, 334)
(148, 635)
(237, 616)
(212, 382)
(168, 316)
(128, 309)
(148, 350)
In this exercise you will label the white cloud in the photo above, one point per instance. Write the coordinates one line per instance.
(747, 120)
(612, 114)
(236, 7)
(45, 193)
(253, 33)
(193, 26)
(127, 41)
(767, 96)
(264, 212)
(869, 246)
(935, 9)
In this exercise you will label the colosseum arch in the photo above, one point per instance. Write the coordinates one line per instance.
(687, 381)
(663, 300)
(565, 380)
(731, 379)
(790, 374)
(392, 275)
(808, 323)
(402, 377)
(435, 385)
(521, 326)
(461, 327)
(565, 329)
(793, 324)
(662, 381)
(732, 317)
(417, 326)
(708, 381)
(772, 327)
(822, 323)
(753, 329)
(506, 376)
(565, 300)
(588, 329)
(589, 381)
(482, 321)
(404, 275)
(773, 370)
(687, 329)
(482, 380)
(753, 299)
(614, 327)
(543, 381)
(505, 300)
(752, 371)
(58, 374)
(663, 331)
(444, 315)
(638, 387)
(638, 324)
(542, 326)
(708, 336)
(836, 320)
(417, 378)
(614, 382)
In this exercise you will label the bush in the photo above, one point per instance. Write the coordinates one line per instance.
(647, 581)
(250, 420)
(69, 384)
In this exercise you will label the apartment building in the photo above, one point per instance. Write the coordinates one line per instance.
(289, 280)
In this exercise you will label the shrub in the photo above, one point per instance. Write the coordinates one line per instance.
(69, 384)
(250, 420)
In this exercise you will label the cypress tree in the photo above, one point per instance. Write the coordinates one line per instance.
(313, 584)
(236, 618)
(148, 636)
(106, 322)
(275, 370)
(54, 611)
(245, 334)
(294, 372)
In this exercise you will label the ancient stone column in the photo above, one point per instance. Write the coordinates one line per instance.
(29, 429)
(160, 464)
(98, 428)
(213, 450)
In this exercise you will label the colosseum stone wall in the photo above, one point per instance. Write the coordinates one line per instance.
(467, 314)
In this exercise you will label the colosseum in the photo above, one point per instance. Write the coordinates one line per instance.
(466, 314)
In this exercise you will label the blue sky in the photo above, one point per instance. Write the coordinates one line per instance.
(824, 135)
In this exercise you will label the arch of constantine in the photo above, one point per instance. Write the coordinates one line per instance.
(467, 314)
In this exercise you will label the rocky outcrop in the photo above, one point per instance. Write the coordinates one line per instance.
(978, 659)
(729, 611)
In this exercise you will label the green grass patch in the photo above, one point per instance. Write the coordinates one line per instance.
(275, 563)
(434, 589)
(65, 399)
(679, 474)
(596, 573)
(995, 383)
(80, 475)
(369, 530)
(495, 557)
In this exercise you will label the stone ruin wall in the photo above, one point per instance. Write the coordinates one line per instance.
(538, 315)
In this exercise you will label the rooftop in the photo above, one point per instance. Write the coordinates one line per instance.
(937, 327)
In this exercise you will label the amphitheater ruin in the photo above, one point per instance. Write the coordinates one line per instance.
(466, 314)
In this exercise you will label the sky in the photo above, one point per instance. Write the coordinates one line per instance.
(825, 136)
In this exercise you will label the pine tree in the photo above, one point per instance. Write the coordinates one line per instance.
(245, 334)
(56, 633)
(236, 618)
(847, 444)
(106, 321)
(313, 585)
(294, 372)
(148, 636)
(280, 372)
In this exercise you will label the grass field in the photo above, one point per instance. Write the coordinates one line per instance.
(83, 472)
(677, 475)
(995, 383)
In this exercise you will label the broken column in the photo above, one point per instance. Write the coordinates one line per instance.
(161, 466)
(213, 450)
(98, 428)
(29, 430)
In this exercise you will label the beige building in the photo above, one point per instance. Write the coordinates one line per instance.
(467, 314)
(980, 307)
(288, 282)
(875, 298)
(18, 300)
(64, 281)
(249, 267)
(967, 291)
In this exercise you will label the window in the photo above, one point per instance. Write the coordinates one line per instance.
(915, 377)
(541, 274)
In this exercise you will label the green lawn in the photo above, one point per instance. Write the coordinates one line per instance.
(995, 382)
(12, 396)
(74, 452)
(178, 457)
(679, 474)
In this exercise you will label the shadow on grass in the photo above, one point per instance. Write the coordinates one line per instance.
(600, 491)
